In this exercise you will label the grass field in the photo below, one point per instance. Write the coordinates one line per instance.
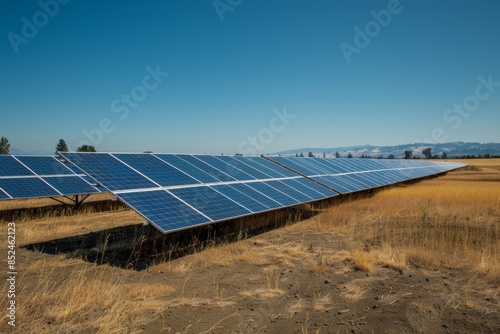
(413, 258)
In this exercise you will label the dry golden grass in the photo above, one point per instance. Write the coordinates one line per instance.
(447, 221)
(89, 299)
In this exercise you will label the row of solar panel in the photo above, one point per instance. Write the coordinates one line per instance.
(350, 175)
(175, 191)
(126, 171)
(181, 208)
(40, 176)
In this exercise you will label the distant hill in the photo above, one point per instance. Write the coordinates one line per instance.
(456, 149)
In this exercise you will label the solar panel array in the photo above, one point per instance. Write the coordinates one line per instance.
(179, 191)
(350, 175)
(39, 176)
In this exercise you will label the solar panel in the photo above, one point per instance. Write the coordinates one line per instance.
(295, 194)
(70, 185)
(267, 200)
(226, 168)
(3, 194)
(44, 165)
(27, 187)
(191, 170)
(163, 210)
(241, 198)
(156, 169)
(267, 167)
(275, 194)
(11, 167)
(210, 202)
(39, 176)
(255, 172)
(218, 174)
(106, 169)
(308, 191)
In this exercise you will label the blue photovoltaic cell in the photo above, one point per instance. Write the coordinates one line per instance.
(216, 173)
(281, 186)
(330, 167)
(275, 194)
(310, 164)
(240, 165)
(304, 189)
(3, 195)
(295, 166)
(278, 170)
(349, 179)
(27, 187)
(319, 188)
(187, 168)
(242, 199)
(262, 198)
(108, 171)
(362, 180)
(164, 210)
(10, 167)
(156, 169)
(44, 165)
(213, 204)
(376, 177)
(335, 183)
(221, 165)
(70, 185)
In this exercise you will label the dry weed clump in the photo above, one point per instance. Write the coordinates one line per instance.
(363, 260)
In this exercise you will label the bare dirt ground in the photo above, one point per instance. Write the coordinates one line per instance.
(415, 258)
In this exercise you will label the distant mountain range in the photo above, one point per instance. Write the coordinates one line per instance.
(456, 149)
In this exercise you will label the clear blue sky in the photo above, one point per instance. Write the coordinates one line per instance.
(227, 76)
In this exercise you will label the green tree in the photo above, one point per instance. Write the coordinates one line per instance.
(349, 155)
(61, 146)
(311, 155)
(444, 156)
(4, 146)
(86, 148)
(408, 154)
(391, 156)
(337, 154)
(427, 152)
(301, 155)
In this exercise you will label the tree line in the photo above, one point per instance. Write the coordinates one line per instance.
(60, 147)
